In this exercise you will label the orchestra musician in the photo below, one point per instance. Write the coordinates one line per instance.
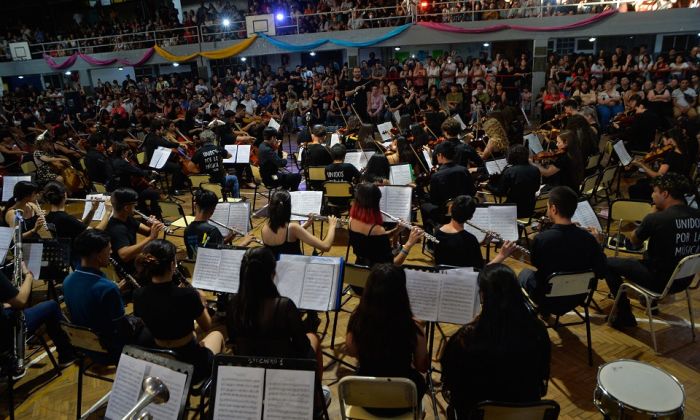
(368, 238)
(672, 231)
(567, 168)
(282, 236)
(49, 165)
(126, 174)
(447, 183)
(495, 128)
(94, 301)
(12, 153)
(355, 93)
(24, 198)
(316, 153)
(97, 163)
(465, 155)
(208, 159)
(640, 135)
(565, 247)
(585, 134)
(434, 116)
(338, 170)
(519, 181)
(271, 162)
(458, 247)
(62, 224)
(155, 139)
(377, 170)
(122, 229)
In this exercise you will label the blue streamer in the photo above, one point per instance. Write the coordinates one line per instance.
(312, 46)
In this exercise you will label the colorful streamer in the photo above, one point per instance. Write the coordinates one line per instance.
(213, 55)
(312, 46)
(70, 61)
(496, 28)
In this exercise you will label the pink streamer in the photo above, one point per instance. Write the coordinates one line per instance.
(70, 61)
(496, 28)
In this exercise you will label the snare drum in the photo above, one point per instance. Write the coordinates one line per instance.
(629, 389)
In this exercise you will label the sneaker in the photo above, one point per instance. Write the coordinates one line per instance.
(19, 374)
(327, 395)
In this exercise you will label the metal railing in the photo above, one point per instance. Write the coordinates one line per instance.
(440, 11)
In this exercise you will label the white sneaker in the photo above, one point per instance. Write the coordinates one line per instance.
(327, 395)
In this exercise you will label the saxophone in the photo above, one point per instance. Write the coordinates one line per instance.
(19, 325)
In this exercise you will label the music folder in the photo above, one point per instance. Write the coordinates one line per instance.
(217, 270)
(498, 218)
(236, 215)
(240, 153)
(312, 283)
(396, 200)
(450, 296)
(401, 174)
(160, 157)
(306, 202)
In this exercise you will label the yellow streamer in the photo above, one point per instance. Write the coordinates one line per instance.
(214, 55)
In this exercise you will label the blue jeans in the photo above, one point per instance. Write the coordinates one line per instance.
(231, 185)
(48, 313)
(605, 113)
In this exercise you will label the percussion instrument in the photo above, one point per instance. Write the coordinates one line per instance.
(632, 389)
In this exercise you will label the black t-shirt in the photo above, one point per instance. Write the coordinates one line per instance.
(677, 163)
(168, 310)
(194, 237)
(673, 234)
(317, 155)
(565, 176)
(64, 225)
(459, 249)
(359, 99)
(209, 159)
(99, 168)
(342, 172)
(122, 234)
(7, 290)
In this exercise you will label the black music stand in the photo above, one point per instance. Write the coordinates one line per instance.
(55, 263)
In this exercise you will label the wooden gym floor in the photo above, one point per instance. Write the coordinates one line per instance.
(572, 382)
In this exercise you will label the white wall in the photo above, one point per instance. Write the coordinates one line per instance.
(107, 75)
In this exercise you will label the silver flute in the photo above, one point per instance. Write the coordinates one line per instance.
(234, 230)
(147, 220)
(408, 225)
(341, 220)
(88, 200)
(497, 237)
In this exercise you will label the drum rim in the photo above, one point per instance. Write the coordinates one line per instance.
(619, 402)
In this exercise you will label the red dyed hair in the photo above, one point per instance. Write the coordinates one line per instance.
(366, 215)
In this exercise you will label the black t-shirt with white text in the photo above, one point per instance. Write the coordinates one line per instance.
(342, 172)
(209, 159)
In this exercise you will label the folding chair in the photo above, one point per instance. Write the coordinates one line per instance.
(28, 167)
(357, 392)
(496, 410)
(589, 185)
(99, 188)
(198, 179)
(568, 291)
(592, 163)
(540, 210)
(174, 215)
(141, 158)
(623, 210)
(315, 174)
(216, 189)
(684, 278)
(258, 181)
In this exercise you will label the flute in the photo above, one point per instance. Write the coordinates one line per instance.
(147, 220)
(234, 230)
(408, 225)
(87, 200)
(341, 220)
(497, 237)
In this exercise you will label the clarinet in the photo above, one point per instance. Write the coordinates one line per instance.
(19, 325)
(234, 230)
(147, 219)
(497, 237)
(407, 225)
(123, 274)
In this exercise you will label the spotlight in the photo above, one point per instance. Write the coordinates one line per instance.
(226, 22)
(121, 69)
(176, 64)
(243, 59)
(591, 39)
(312, 53)
(486, 44)
(397, 48)
(413, 56)
(279, 16)
(68, 73)
(20, 77)
(423, 4)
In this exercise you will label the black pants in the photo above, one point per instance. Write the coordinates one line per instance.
(148, 202)
(175, 170)
(288, 181)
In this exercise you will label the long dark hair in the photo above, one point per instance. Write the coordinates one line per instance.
(54, 193)
(256, 284)
(280, 210)
(573, 150)
(155, 259)
(382, 324)
(377, 168)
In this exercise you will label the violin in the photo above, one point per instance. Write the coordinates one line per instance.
(548, 155)
(657, 153)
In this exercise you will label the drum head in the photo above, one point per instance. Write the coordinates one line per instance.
(641, 386)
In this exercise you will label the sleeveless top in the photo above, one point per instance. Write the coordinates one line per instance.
(286, 247)
(370, 250)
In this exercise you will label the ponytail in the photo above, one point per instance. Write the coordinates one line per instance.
(155, 259)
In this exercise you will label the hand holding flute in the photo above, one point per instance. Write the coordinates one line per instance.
(156, 225)
(408, 225)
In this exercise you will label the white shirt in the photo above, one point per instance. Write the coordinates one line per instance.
(250, 105)
(679, 96)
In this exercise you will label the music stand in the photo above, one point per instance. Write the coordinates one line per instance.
(55, 262)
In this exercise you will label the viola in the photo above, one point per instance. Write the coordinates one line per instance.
(657, 153)
(548, 155)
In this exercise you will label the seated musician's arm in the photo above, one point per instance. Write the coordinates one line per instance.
(126, 251)
(21, 297)
(297, 330)
(199, 310)
(303, 235)
(644, 230)
(421, 359)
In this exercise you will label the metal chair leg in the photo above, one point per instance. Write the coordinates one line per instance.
(651, 323)
(79, 403)
(690, 312)
(11, 396)
(588, 336)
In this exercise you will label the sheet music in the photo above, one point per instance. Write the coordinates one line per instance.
(175, 381)
(289, 394)
(239, 392)
(397, 116)
(229, 270)
(290, 280)
(160, 157)
(335, 139)
(459, 120)
(423, 293)
(355, 159)
(459, 297)
(482, 219)
(533, 143)
(5, 240)
(32, 253)
(221, 215)
(8, 185)
(585, 216)
(317, 288)
(400, 174)
(622, 153)
(385, 130)
(100, 207)
(127, 386)
(274, 124)
(306, 202)
(232, 150)
(494, 167)
(396, 201)
(504, 221)
(310, 282)
(217, 269)
(243, 155)
(239, 216)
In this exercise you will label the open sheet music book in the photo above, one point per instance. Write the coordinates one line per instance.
(5, 240)
(444, 296)
(385, 130)
(274, 124)
(236, 215)
(358, 158)
(396, 201)
(401, 174)
(217, 270)
(306, 202)
(128, 388)
(622, 154)
(533, 143)
(494, 167)
(428, 159)
(160, 157)
(100, 206)
(499, 219)
(263, 388)
(312, 283)
(8, 185)
(585, 216)
(240, 153)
